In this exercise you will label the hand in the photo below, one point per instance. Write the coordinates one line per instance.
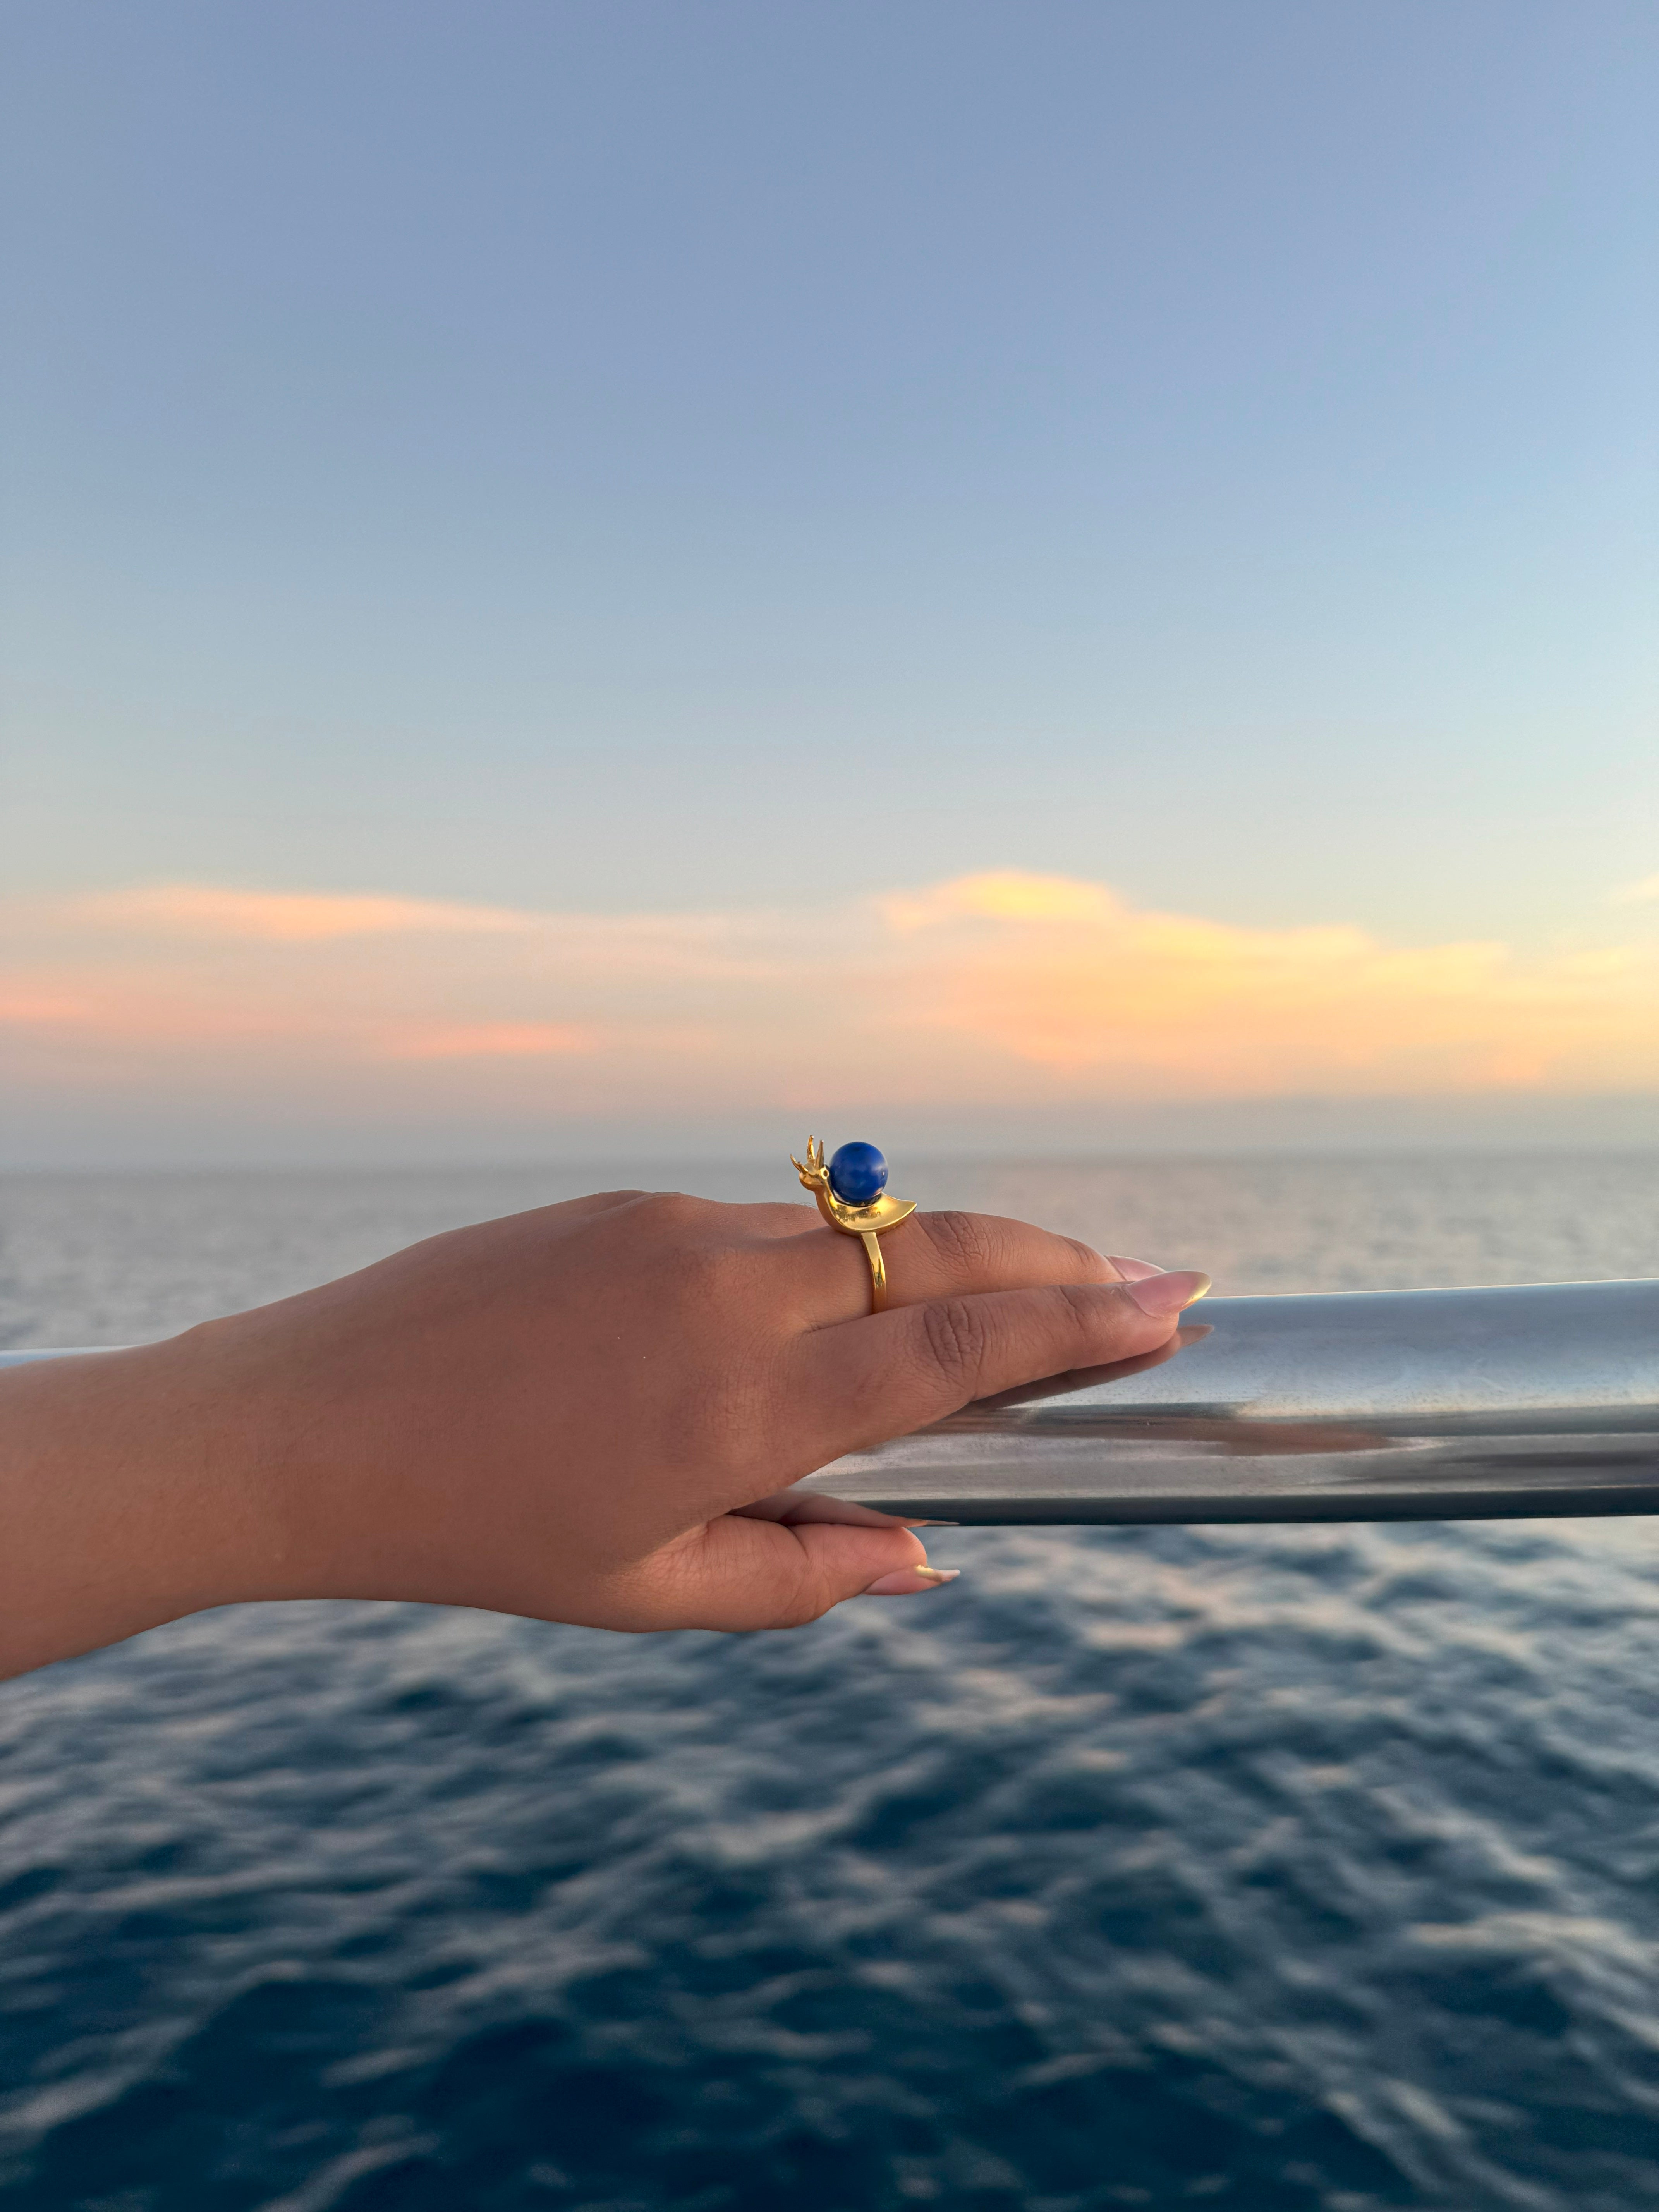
(591, 1412)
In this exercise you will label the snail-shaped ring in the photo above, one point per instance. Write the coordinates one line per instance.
(851, 1193)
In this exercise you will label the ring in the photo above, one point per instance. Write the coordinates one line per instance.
(851, 1193)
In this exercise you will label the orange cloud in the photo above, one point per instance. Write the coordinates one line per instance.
(1002, 895)
(290, 917)
(1002, 988)
(1168, 1000)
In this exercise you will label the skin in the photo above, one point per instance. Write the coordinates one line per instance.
(592, 1412)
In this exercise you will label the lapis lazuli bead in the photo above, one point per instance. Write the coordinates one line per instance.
(857, 1174)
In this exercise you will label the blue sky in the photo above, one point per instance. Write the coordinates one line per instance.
(637, 459)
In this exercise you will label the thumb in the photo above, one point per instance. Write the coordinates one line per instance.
(738, 1573)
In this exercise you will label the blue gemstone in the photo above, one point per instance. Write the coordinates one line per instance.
(858, 1174)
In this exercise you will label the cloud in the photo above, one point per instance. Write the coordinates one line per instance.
(1002, 989)
(1636, 894)
(1002, 895)
(291, 917)
(1073, 981)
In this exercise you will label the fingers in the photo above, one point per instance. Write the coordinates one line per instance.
(934, 1255)
(738, 1573)
(865, 1381)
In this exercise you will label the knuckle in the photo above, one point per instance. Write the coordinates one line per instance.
(963, 1241)
(954, 1339)
(790, 1599)
(1084, 1312)
(806, 1602)
(670, 1210)
(1089, 1263)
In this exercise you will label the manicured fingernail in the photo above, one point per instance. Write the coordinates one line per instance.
(1133, 1271)
(909, 1582)
(1163, 1294)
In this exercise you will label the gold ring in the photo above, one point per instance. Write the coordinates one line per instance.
(852, 1196)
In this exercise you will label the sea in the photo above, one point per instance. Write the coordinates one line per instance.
(1267, 1868)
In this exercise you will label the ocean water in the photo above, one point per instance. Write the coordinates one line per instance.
(1266, 1868)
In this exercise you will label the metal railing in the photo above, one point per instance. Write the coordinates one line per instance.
(1377, 1406)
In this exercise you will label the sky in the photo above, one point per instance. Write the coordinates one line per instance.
(625, 574)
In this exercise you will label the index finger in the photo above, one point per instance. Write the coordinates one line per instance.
(860, 1381)
(932, 1255)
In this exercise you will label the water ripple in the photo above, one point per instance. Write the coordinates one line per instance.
(1288, 1869)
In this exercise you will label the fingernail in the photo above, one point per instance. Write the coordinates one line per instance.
(910, 1582)
(1133, 1271)
(934, 1524)
(1163, 1294)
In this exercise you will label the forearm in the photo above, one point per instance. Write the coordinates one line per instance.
(126, 1498)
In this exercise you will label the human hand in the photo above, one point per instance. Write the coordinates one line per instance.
(593, 1413)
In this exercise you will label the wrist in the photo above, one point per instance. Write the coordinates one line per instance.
(126, 1499)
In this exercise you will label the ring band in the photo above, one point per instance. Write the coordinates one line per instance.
(851, 1193)
(872, 1243)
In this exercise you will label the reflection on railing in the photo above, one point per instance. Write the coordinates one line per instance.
(1388, 1405)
